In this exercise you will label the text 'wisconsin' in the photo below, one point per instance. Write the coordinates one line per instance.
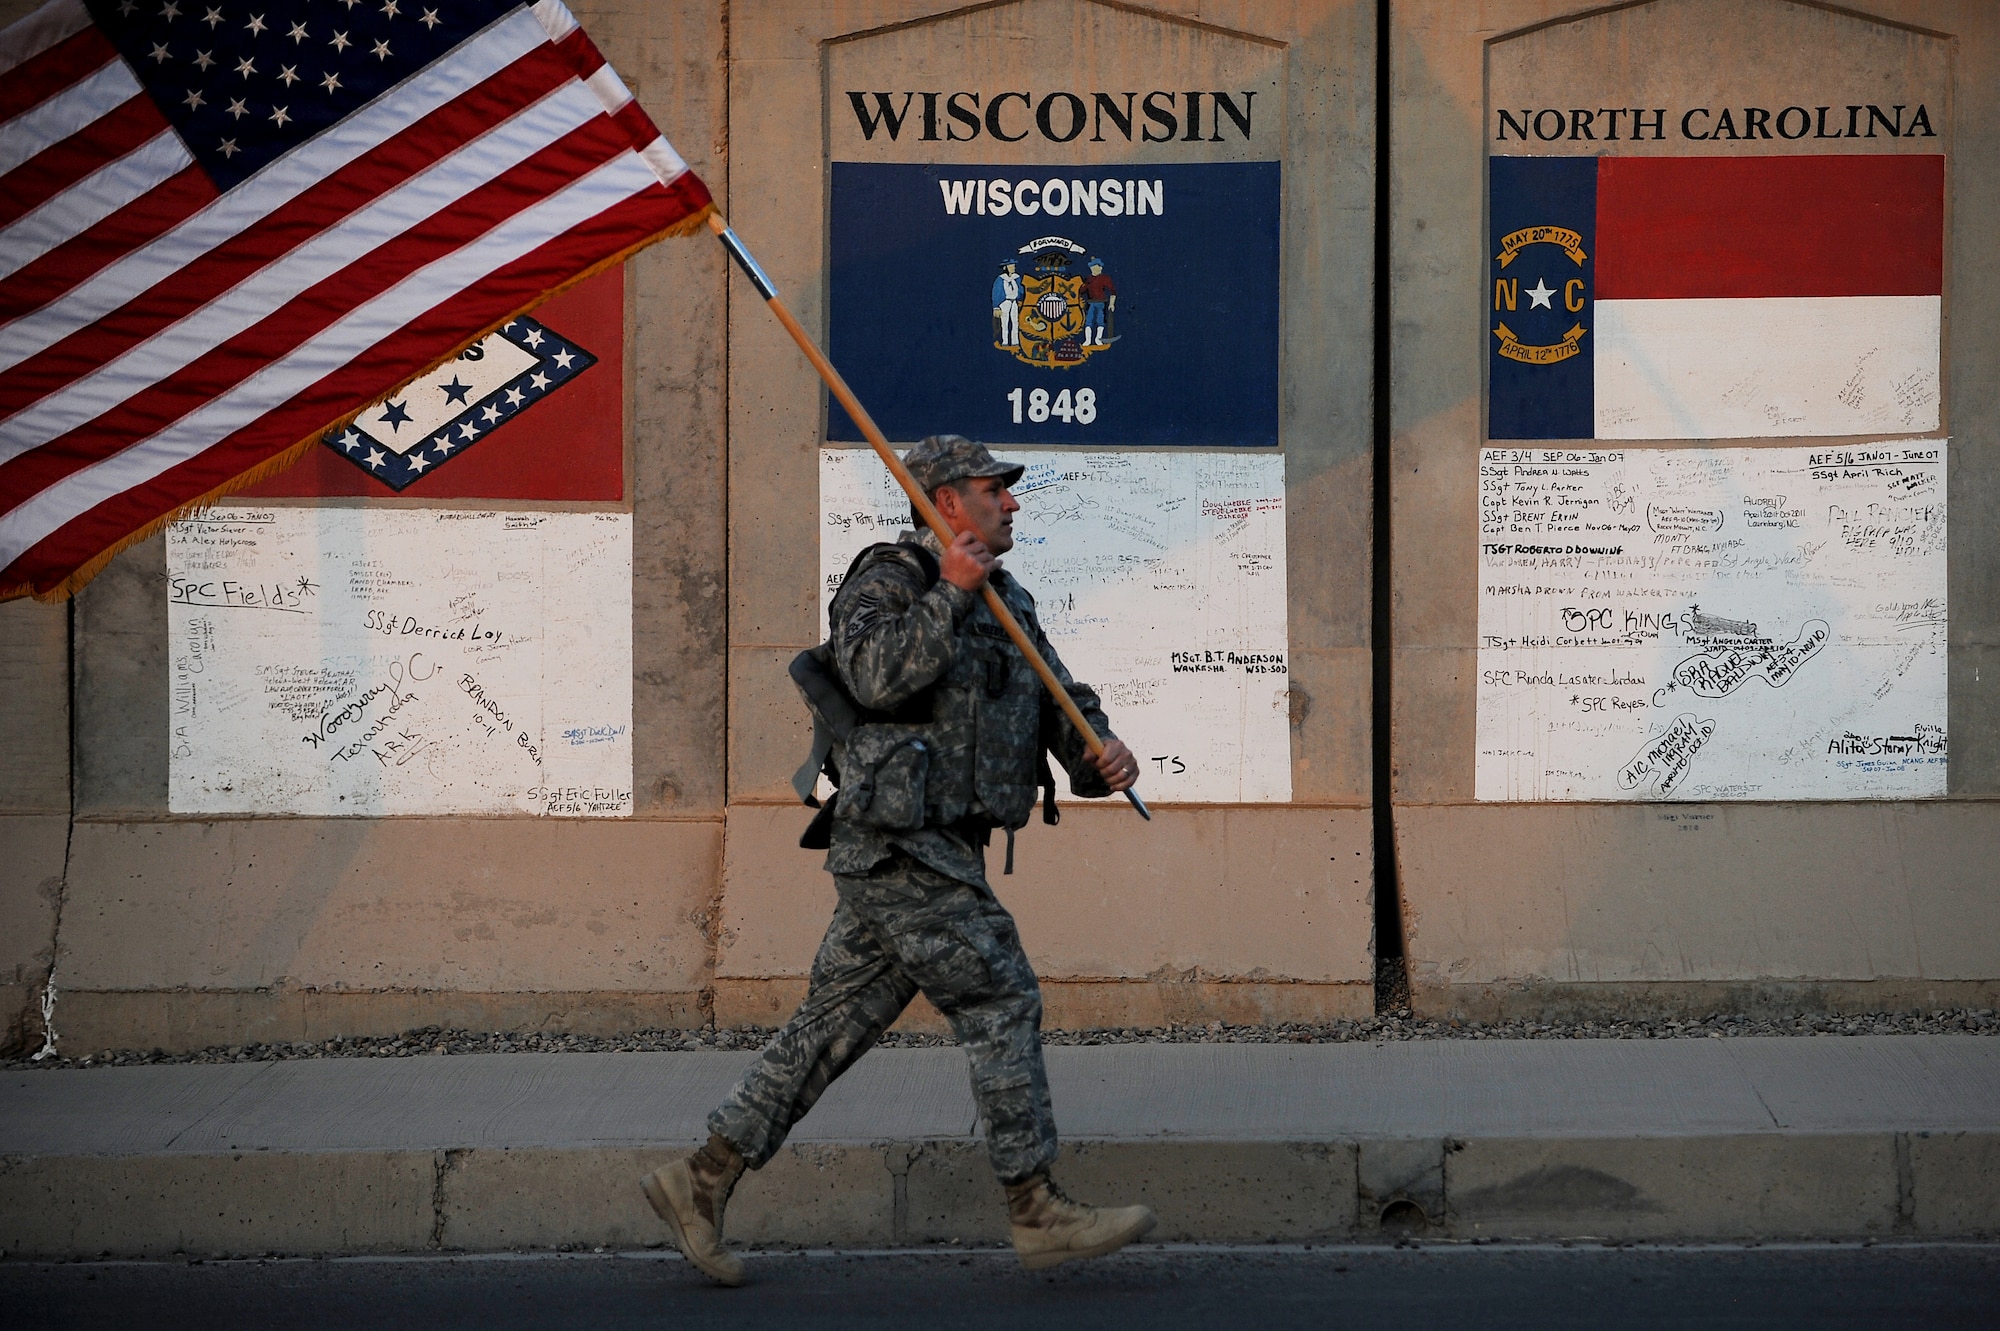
(1058, 116)
(1054, 197)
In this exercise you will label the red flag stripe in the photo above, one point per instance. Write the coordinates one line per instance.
(638, 126)
(322, 206)
(159, 405)
(68, 61)
(56, 168)
(581, 53)
(146, 218)
(481, 305)
(1735, 227)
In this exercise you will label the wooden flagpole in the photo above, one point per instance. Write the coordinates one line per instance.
(918, 499)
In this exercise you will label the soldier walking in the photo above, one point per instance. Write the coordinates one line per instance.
(957, 723)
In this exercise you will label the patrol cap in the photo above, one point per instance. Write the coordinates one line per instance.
(943, 458)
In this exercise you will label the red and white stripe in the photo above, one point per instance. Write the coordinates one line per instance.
(1740, 297)
(159, 340)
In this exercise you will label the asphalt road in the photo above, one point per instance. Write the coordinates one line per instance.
(1822, 1287)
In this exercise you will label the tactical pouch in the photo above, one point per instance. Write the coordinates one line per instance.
(883, 770)
(838, 723)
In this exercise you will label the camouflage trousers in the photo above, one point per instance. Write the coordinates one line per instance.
(901, 929)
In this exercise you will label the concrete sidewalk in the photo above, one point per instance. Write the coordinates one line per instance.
(1715, 1138)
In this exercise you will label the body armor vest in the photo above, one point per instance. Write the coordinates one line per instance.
(972, 741)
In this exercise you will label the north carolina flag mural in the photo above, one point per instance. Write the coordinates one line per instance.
(1715, 298)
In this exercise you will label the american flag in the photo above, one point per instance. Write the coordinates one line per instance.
(225, 227)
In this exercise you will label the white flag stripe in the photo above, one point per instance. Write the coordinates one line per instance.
(610, 89)
(368, 324)
(471, 63)
(422, 196)
(91, 200)
(24, 39)
(666, 163)
(555, 18)
(49, 122)
(1749, 368)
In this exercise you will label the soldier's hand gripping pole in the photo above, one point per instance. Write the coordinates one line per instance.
(918, 499)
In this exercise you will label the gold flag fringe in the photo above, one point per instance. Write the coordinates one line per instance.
(271, 466)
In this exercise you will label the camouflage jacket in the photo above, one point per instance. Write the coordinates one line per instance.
(988, 716)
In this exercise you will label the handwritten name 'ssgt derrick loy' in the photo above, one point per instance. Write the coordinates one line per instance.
(952, 727)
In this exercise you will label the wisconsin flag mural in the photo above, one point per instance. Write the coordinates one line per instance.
(1715, 298)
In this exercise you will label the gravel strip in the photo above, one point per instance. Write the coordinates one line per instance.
(1399, 1025)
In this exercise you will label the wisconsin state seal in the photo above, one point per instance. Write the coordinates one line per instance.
(1053, 305)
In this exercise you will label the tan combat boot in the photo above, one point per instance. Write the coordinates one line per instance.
(1050, 1228)
(689, 1195)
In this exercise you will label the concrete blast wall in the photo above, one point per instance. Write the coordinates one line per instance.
(1522, 907)
(185, 908)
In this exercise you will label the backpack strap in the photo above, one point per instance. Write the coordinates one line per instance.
(834, 714)
(927, 563)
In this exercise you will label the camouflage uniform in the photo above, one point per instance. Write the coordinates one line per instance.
(915, 911)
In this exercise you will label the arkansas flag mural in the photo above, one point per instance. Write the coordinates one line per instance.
(1713, 297)
(533, 410)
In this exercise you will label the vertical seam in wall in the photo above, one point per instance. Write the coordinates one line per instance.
(443, 1164)
(1388, 897)
(69, 826)
(1906, 1185)
(714, 929)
